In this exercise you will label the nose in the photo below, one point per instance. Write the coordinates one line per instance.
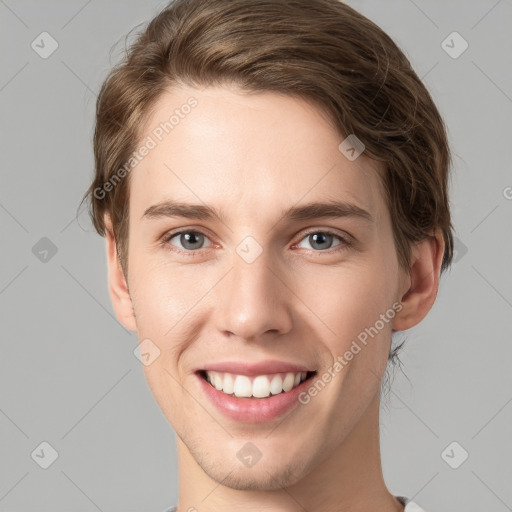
(253, 300)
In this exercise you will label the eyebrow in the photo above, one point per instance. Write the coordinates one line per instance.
(315, 210)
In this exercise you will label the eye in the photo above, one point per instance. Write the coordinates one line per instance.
(188, 240)
(323, 240)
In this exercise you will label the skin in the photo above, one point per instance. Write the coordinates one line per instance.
(253, 156)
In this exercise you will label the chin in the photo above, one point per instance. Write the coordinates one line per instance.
(252, 479)
(268, 474)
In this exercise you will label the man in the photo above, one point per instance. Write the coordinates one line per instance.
(271, 179)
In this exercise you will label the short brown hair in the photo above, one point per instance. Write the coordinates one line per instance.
(320, 50)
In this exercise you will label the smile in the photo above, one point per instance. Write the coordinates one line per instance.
(258, 386)
(254, 392)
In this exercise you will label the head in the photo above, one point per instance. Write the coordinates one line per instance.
(248, 109)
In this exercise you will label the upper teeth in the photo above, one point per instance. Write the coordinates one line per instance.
(260, 386)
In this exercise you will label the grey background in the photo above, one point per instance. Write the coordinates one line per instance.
(68, 375)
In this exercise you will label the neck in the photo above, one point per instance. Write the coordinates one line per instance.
(349, 479)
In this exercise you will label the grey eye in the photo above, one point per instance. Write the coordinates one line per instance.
(321, 240)
(189, 240)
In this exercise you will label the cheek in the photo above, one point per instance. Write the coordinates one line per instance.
(347, 300)
(161, 297)
(163, 301)
(169, 305)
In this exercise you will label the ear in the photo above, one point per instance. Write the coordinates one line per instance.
(420, 288)
(117, 285)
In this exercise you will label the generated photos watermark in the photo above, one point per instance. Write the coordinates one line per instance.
(150, 142)
(342, 360)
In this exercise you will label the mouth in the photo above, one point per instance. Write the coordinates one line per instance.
(257, 387)
(254, 392)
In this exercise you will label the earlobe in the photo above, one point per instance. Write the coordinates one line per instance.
(423, 282)
(118, 287)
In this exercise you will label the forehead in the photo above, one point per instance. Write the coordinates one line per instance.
(257, 152)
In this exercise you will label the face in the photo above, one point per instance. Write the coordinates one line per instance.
(255, 284)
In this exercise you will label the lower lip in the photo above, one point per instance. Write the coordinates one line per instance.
(253, 410)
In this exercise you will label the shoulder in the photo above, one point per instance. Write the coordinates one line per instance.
(410, 506)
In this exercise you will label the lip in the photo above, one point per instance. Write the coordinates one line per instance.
(252, 369)
(253, 410)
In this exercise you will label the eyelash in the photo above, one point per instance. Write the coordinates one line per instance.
(344, 242)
